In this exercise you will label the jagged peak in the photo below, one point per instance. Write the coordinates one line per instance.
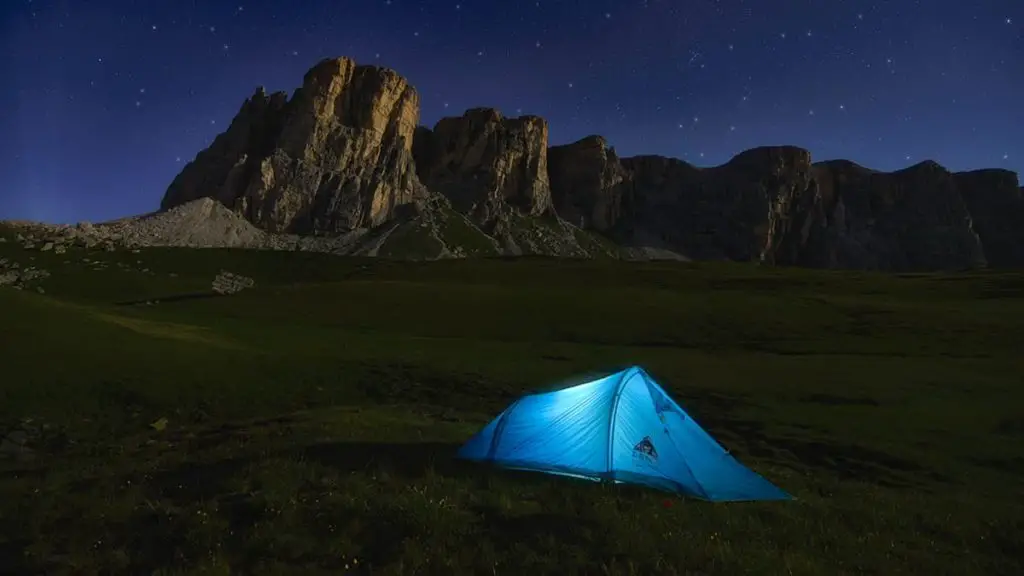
(991, 172)
(590, 141)
(487, 115)
(842, 164)
(760, 153)
(925, 166)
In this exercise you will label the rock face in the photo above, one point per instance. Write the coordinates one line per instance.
(334, 158)
(587, 183)
(728, 212)
(343, 163)
(913, 219)
(485, 163)
(995, 201)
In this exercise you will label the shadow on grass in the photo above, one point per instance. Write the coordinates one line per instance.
(405, 460)
(171, 298)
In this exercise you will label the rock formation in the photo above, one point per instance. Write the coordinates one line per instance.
(494, 170)
(484, 163)
(913, 219)
(226, 283)
(587, 183)
(344, 159)
(334, 158)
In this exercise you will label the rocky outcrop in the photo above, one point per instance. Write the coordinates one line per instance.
(913, 219)
(728, 212)
(494, 170)
(335, 158)
(342, 167)
(226, 283)
(996, 205)
(20, 277)
(587, 183)
(773, 205)
(485, 164)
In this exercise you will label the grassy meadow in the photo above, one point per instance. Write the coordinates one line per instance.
(308, 425)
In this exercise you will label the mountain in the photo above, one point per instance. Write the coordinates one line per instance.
(345, 157)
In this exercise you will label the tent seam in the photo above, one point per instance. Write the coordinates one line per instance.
(499, 429)
(611, 419)
(650, 382)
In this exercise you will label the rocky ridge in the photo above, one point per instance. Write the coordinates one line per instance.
(342, 166)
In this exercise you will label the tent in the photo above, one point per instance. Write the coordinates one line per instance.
(621, 428)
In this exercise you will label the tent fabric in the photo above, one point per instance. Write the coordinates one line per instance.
(621, 428)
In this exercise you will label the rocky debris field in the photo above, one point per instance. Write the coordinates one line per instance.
(203, 223)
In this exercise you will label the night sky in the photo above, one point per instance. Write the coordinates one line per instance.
(104, 101)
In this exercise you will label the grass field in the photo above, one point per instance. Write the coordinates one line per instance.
(310, 423)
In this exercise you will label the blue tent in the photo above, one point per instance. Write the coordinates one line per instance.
(621, 428)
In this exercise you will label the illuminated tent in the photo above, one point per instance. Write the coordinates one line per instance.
(621, 428)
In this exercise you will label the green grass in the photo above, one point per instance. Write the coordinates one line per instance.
(311, 421)
(411, 240)
(458, 231)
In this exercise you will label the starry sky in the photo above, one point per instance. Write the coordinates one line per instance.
(105, 101)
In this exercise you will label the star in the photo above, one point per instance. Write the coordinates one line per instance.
(607, 15)
(570, 84)
(811, 112)
(213, 28)
(842, 107)
(537, 44)
(808, 33)
(732, 128)
(1006, 156)
(782, 35)
(730, 47)
(138, 104)
(1009, 20)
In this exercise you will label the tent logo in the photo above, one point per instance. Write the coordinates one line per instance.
(644, 450)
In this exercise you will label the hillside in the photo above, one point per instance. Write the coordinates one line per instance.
(308, 423)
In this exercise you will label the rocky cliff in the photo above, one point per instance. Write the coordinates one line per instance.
(344, 156)
(335, 157)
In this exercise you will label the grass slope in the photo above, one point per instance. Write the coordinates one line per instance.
(310, 422)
